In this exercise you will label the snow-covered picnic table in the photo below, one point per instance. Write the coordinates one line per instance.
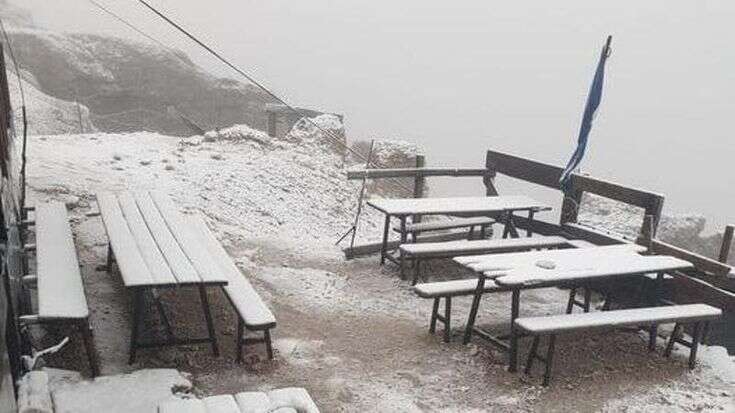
(155, 249)
(554, 268)
(402, 208)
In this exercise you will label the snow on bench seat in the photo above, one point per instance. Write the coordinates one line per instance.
(244, 298)
(463, 247)
(288, 400)
(60, 289)
(447, 224)
(453, 288)
(686, 313)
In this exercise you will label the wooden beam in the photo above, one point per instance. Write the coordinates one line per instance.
(419, 181)
(726, 244)
(524, 169)
(700, 261)
(593, 235)
(414, 172)
(691, 289)
(373, 248)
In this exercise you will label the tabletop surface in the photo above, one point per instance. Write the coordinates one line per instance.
(456, 205)
(612, 266)
(152, 244)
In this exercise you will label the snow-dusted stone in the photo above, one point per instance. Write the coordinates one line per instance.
(224, 403)
(33, 393)
(138, 392)
(253, 402)
(294, 397)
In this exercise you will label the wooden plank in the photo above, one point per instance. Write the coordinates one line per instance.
(528, 259)
(60, 288)
(726, 244)
(482, 205)
(223, 403)
(692, 289)
(146, 244)
(133, 268)
(548, 175)
(414, 172)
(374, 247)
(177, 260)
(701, 262)
(454, 288)
(594, 235)
(448, 224)
(615, 265)
(244, 298)
(465, 247)
(189, 242)
(618, 318)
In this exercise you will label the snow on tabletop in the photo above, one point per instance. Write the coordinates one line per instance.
(140, 391)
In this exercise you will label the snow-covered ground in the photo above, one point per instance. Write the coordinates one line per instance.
(352, 333)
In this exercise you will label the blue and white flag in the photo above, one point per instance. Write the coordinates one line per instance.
(593, 101)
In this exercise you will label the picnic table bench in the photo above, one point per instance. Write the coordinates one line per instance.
(288, 400)
(252, 312)
(617, 266)
(494, 265)
(58, 279)
(698, 314)
(415, 228)
(154, 249)
(487, 206)
(418, 253)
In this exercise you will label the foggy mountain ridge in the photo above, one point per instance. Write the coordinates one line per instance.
(129, 85)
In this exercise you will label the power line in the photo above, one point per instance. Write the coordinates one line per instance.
(259, 85)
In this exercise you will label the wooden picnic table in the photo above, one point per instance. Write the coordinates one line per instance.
(572, 267)
(402, 208)
(154, 250)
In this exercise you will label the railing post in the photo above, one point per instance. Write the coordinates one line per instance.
(419, 183)
(726, 244)
(489, 178)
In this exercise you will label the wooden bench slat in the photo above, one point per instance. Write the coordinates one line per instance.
(600, 267)
(453, 288)
(246, 300)
(618, 318)
(147, 246)
(478, 246)
(60, 288)
(447, 224)
(177, 260)
(224, 403)
(253, 401)
(133, 268)
(189, 242)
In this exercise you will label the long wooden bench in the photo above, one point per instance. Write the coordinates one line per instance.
(435, 250)
(698, 314)
(447, 290)
(414, 229)
(58, 280)
(252, 312)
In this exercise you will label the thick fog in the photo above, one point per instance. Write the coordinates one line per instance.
(461, 77)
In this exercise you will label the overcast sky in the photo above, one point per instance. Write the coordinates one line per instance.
(460, 77)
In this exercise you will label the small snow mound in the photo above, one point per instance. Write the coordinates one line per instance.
(238, 133)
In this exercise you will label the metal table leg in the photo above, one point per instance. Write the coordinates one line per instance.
(208, 318)
(384, 247)
(513, 353)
